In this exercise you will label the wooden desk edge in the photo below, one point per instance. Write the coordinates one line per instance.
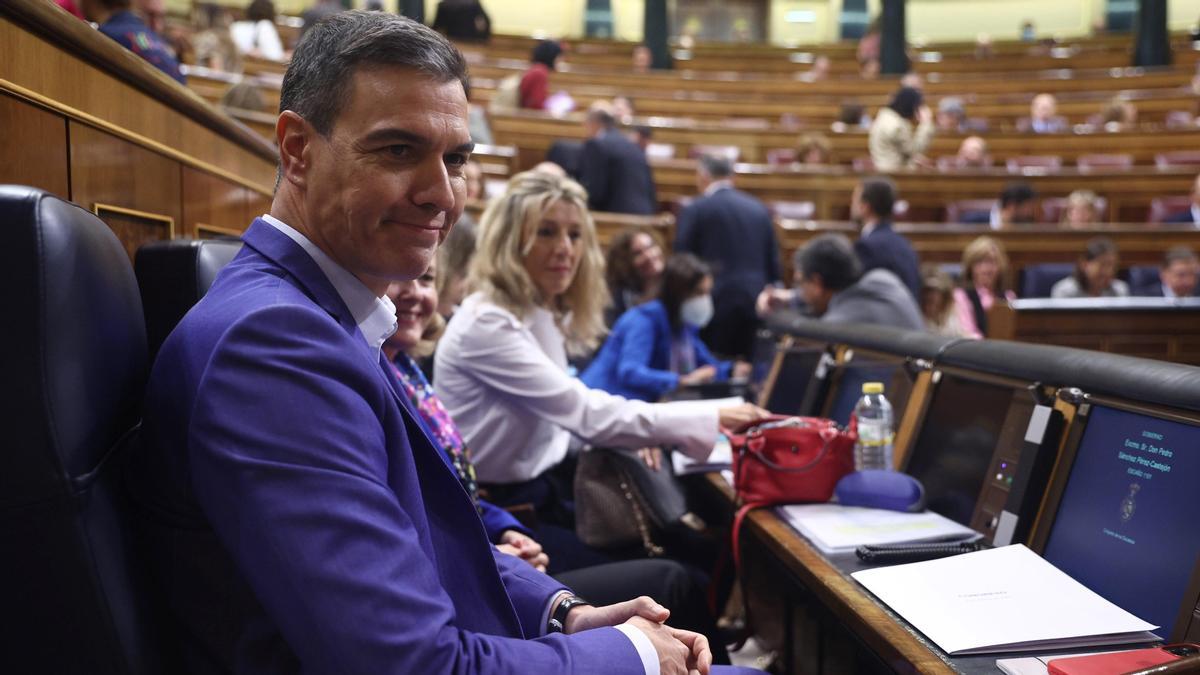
(850, 603)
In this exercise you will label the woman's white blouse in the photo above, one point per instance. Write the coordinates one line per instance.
(505, 383)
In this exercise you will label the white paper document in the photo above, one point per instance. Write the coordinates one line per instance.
(720, 459)
(834, 528)
(1001, 600)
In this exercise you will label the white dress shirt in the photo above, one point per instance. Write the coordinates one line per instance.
(504, 381)
(375, 316)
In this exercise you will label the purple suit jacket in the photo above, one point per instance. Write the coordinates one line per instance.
(298, 516)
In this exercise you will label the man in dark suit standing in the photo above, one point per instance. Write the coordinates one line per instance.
(613, 168)
(878, 244)
(734, 233)
(1192, 215)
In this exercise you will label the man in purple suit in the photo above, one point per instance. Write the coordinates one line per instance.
(298, 517)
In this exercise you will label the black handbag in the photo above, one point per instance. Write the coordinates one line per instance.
(619, 501)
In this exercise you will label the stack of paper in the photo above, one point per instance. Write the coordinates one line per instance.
(1001, 600)
(837, 529)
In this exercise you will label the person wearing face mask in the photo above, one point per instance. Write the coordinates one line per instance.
(656, 348)
(501, 367)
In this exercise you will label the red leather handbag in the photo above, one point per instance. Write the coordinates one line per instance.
(787, 460)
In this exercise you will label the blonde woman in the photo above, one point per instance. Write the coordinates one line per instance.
(985, 280)
(1081, 212)
(501, 367)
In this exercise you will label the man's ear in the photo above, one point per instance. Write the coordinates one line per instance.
(295, 137)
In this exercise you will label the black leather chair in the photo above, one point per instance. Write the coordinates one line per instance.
(1038, 280)
(72, 593)
(173, 275)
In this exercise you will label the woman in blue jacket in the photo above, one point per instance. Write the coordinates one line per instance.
(655, 348)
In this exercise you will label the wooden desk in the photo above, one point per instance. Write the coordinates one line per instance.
(1147, 327)
(810, 586)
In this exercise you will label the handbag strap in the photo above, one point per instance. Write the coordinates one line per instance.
(735, 534)
(652, 550)
(826, 437)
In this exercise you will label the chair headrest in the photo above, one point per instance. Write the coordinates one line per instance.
(173, 276)
(75, 343)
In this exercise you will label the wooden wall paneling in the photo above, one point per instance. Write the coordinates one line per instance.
(212, 202)
(33, 147)
(31, 62)
(138, 191)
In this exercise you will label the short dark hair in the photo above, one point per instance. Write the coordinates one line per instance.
(879, 194)
(906, 101)
(717, 167)
(681, 275)
(832, 257)
(1178, 254)
(1017, 192)
(314, 85)
(602, 116)
(261, 10)
(546, 53)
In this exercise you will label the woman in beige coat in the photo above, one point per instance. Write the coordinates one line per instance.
(893, 142)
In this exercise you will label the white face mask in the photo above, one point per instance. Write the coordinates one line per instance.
(697, 311)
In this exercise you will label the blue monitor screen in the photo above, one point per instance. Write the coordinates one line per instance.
(1126, 523)
(849, 389)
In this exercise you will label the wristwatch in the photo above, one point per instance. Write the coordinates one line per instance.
(558, 621)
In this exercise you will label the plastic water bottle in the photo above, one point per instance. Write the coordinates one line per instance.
(873, 450)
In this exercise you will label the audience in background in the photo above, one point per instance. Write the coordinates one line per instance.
(622, 107)
(212, 44)
(878, 245)
(633, 269)
(70, 7)
(985, 279)
(243, 96)
(154, 13)
(1043, 116)
(319, 10)
(1119, 114)
(462, 20)
(901, 132)
(973, 154)
(257, 35)
(501, 366)
(937, 303)
(534, 87)
(453, 259)
(868, 69)
(643, 59)
(913, 80)
(655, 348)
(734, 233)
(1017, 205)
(1095, 274)
(833, 286)
(951, 115)
(1192, 214)
(1177, 276)
(120, 23)
(1082, 211)
(1027, 32)
(814, 149)
(851, 116)
(819, 72)
(613, 168)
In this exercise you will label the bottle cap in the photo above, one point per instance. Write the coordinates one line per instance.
(872, 387)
